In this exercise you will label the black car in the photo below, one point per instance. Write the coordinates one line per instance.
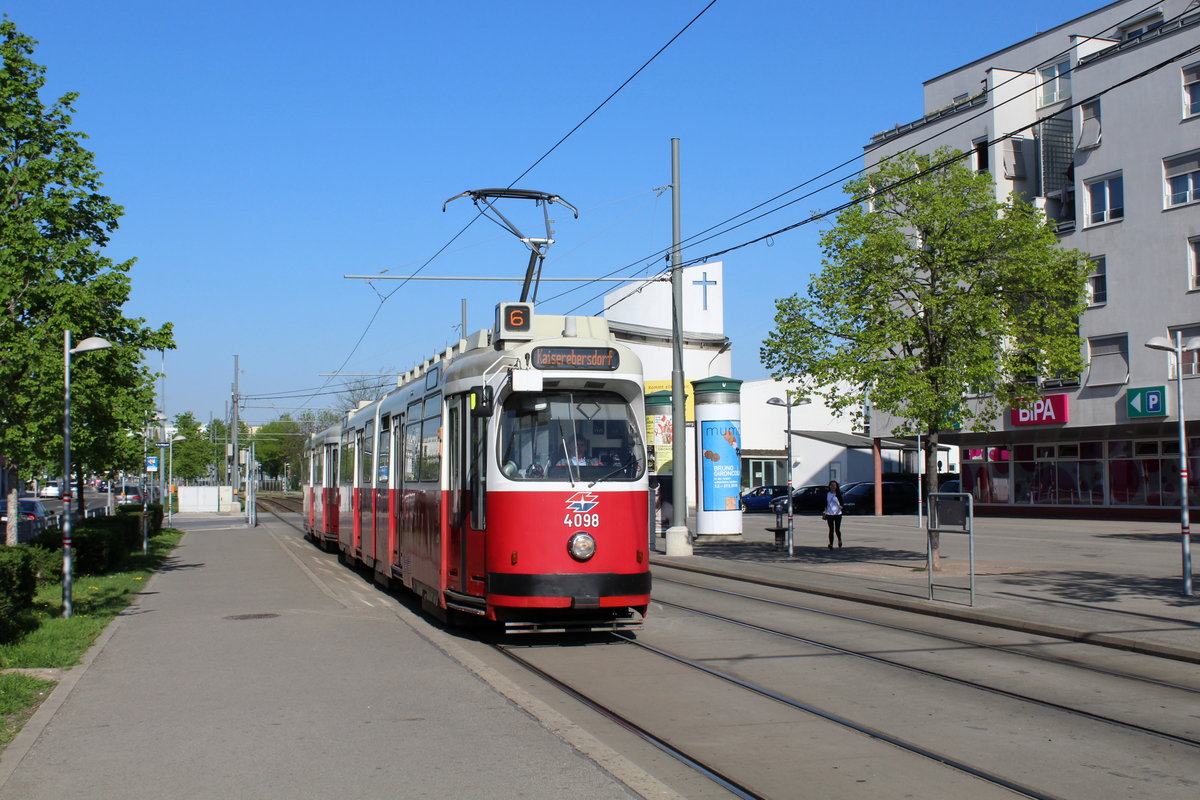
(898, 498)
(805, 499)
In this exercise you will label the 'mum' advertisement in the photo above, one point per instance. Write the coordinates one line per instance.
(721, 447)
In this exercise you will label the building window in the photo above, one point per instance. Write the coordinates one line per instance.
(1106, 200)
(1089, 128)
(980, 155)
(1182, 175)
(1191, 358)
(1191, 90)
(1194, 263)
(1108, 361)
(1143, 25)
(1056, 82)
(1098, 283)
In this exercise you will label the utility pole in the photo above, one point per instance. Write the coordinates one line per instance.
(235, 477)
(678, 539)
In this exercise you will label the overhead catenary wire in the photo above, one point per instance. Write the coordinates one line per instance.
(384, 298)
(695, 239)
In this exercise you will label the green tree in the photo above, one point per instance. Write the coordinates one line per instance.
(54, 222)
(930, 293)
(195, 454)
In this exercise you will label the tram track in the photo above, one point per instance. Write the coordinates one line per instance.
(1178, 739)
(955, 640)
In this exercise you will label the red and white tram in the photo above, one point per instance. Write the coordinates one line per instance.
(505, 479)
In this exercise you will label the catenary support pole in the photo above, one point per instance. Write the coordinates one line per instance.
(678, 538)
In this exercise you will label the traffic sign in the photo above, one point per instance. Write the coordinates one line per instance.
(162, 444)
(151, 463)
(1146, 401)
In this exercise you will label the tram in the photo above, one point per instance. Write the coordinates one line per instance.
(502, 480)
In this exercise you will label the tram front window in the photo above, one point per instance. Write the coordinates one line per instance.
(570, 436)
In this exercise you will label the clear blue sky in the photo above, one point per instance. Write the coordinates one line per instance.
(262, 150)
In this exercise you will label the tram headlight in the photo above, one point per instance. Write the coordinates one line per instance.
(581, 546)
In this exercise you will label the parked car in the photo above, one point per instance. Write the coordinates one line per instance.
(128, 494)
(759, 498)
(950, 486)
(805, 499)
(32, 518)
(898, 498)
(102, 486)
(50, 489)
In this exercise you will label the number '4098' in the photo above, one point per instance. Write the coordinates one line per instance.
(582, 520)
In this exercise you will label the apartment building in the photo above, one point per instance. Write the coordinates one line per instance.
(1096, 121)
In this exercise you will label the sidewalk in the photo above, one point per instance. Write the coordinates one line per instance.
(254, 666)
(1116, 583)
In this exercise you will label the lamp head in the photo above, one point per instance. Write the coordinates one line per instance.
(91, 343)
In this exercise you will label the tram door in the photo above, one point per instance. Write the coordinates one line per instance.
(383, 496)
(459, 510)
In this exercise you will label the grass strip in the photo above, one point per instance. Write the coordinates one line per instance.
(53, 642)
(20, 695)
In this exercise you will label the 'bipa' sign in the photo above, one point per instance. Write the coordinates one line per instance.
(1048, 410)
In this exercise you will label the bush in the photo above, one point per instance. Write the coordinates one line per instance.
(47, 563)
(17, 585)
(155, 510)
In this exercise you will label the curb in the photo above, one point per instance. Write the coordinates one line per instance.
(977, 617)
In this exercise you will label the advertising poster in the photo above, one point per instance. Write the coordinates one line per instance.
(721, 445)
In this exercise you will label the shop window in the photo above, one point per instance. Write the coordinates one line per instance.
(1091, 450)
(1108, 361)
(1182, 177)
(1044, 452)
(1120, 449)
(1068, 451)
(1106, 200)
(1023, 452)
(1145, 448)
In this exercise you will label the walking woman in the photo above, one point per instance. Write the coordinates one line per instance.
(833, 513)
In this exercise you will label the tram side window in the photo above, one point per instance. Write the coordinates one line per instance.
(384, 460)
(570, 436)
(366, 462)
(413, 445)
(346, 459)
(431, 441)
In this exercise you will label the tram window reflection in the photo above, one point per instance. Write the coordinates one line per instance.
(570, 436)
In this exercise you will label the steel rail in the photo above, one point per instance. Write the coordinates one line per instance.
(662, 744)
(1172, 737)
(866, 730)
(1010, 649)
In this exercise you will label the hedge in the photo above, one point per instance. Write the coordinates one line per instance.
(17, 585)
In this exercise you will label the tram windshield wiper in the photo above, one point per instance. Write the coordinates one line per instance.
(610, 473)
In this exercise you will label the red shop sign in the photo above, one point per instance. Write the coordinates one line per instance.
(1049, 410)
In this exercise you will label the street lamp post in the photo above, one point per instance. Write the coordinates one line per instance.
(147, 482)
(87, 345)
(171, 473)
(1185, 533)
(788, 404)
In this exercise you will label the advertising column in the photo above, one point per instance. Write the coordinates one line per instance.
(719, 458)
(659, 432)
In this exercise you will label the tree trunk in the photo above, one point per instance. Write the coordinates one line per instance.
(14, 505)
(931, 486)
(79, 506)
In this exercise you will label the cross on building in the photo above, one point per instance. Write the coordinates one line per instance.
(704, 283)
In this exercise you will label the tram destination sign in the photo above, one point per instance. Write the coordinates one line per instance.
(603, 358)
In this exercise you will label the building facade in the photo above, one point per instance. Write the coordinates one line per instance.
(1097, 122)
